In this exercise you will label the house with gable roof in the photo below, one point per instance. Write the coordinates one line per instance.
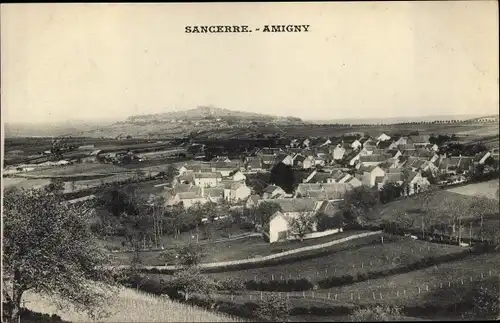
(279, 224)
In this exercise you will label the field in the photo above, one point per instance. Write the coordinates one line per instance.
(237, 249)
(486, 189)
(351, 261)
(472, 130)
(78, 169)
(131, 306)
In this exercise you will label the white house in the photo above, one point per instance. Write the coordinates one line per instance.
(356, 144)
(383, 137)
(207, 179)
(417, 183)
(238, 177)
(235, 192)
(279, 224)
(338, 153)
(368, 174)
(285, 159)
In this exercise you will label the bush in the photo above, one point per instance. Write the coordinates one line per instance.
(290, 285)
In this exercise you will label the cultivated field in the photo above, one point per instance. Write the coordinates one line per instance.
(486, 189)
(131, 306)
(83, 169)
(350, 261)
(24, 182)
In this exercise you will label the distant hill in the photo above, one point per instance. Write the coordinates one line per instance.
(204, 112)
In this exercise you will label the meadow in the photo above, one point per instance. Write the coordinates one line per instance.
(485, 189)
(352, 261)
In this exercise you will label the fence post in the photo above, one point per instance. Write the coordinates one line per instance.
(404, 291)
(326, 271)
(335, 296)
(482, 276)
(462, 281)
(287, 295)
(303, 294)
(440, 285)
(489, 272)
(359, 297)
(449, 283)
(397, 293)
(281, 276)
(255, 277)
(272, 276)
(328, 295)
(232, 297)
(250, 296)
(471, 278)
(371, 263)
(351, 296)
(260, 295)
(381, 295)
(312, 294)
(373, 294)
(426, 288)
(419, 289)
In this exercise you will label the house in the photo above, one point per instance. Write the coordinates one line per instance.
(207, 179)
(338, 152)
(393, 175)
(186, 178)
(214, 194)
(306, 142)
(318, 177)
(188, 194)
(403, 141)
(368, 174)
(238, 176)
(372, 160)
(221, 159)
(284, 158)
(303, 162)
(383, 137)
(356, 144)
(235, 192)
(333, 190)
(326, 143)
(268, 159)
(273, 191)
(189, 199)
(420, 140)
(279, 224)
(417, 183)
(406, 147)
(252, 201)
(354, 182)
(384, 144)
(340, 177)
(370, 144)
(319, 161)
(254, 165)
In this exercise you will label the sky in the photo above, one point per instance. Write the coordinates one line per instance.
(64, 62)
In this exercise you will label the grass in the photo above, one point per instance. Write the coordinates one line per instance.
(406, 285)
(348, 262)
(79, 169)
(224, 251)
(132, 306)
(486, 189)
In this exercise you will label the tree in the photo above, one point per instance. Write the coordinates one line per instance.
(49, 248)
(283, 176)
(191, 281)
(191, 254)
(326, 222)
(265, 210)
(389, 192)
(302, 224)
(273, 309)
(485, 300)
(376, 314)
(358, 202)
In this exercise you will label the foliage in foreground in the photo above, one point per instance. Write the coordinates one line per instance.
(48, 248)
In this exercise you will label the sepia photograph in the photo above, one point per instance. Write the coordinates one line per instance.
(250, 162)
